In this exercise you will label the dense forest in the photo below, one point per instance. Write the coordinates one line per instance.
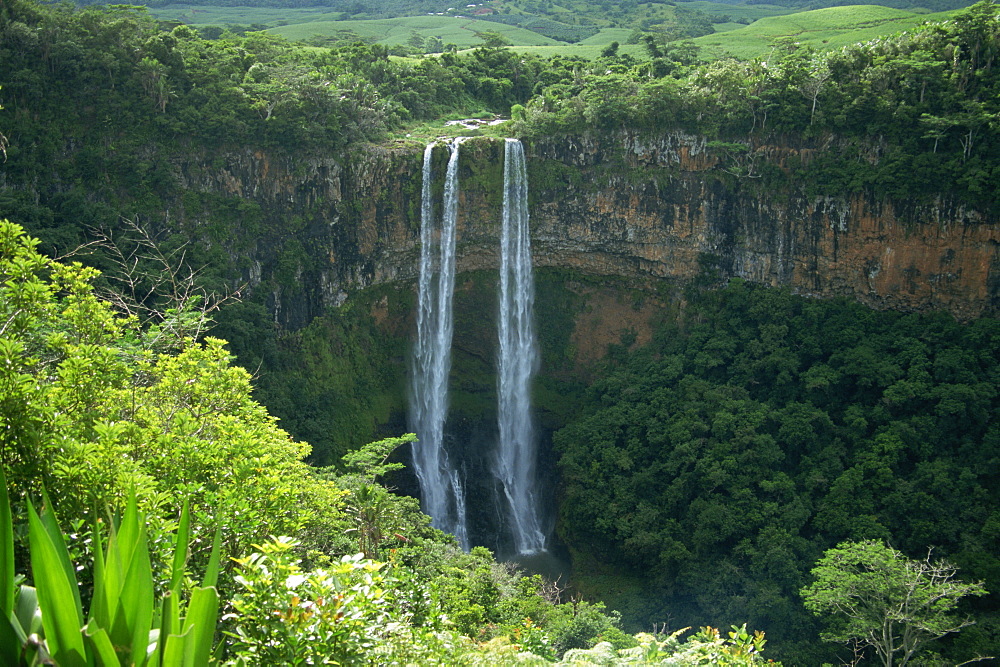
(762, 428)
(700, 477)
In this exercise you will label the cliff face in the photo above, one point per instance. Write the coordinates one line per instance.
(642, 208)
(665, 207)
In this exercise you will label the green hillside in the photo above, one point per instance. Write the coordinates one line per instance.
(199, 15)
(821, 29)
(739, 12)
(589, 51)
(450, 30)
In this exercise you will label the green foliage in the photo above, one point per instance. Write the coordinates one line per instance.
(872, 594)
(706, 647)
(92, 412)
(124, 624)
(333, 382)
(371, 461)
(286, 616)
(761, 429)
(361, 611)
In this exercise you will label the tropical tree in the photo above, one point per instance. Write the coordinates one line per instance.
(92, 409)
(876, 596)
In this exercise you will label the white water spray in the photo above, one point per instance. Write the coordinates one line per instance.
(440, 483)
(518, 359)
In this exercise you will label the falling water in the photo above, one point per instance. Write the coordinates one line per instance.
(518, 358)
(440, 483)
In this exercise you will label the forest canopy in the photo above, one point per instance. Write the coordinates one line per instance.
(720, 461)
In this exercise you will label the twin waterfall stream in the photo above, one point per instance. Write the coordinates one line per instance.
(442, 486)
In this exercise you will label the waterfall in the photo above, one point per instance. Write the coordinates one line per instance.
(518, 359)
(440, 483)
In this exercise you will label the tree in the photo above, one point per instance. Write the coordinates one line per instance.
(879, 598)
(90, 411)
(493, 39)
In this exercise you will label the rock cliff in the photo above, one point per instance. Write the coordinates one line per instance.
(645, 208)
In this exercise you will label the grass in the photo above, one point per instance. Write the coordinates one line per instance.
(823, 29)
(606, 36)
(212, 15)
(460, 31)
(752, 12)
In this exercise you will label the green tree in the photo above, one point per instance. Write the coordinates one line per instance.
(91, 411)
(493, 39)
(876, 596)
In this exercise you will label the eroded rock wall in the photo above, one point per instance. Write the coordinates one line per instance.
(665, 208)
(640, 207)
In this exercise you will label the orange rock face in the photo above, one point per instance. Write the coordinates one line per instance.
(646, 208)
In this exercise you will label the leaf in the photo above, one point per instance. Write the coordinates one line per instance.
(100, 609)
(12, 638)
(7, 587)
(58, 597)
(51, 526)
(127, 585)
(170, 622)
(179, 651)
(100, 642)
(136, 601)
(212, 571)
(199, 624)
(26, 611)
(180, 549)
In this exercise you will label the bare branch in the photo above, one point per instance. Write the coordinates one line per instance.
(156, 286)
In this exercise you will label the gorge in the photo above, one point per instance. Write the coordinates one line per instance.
(620, 224)
(764, 299)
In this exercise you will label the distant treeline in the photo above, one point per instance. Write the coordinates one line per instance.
(913, 114)
(377, 8)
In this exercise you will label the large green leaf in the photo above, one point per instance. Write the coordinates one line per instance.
(128, 586)
(102, 649)
(137, 598)
(58, 597)
(212, 571)
(180, 549)
(26, 610)
(7, 587)
(179, 651)
(51, 525)
(169, 623)
(12, 638)
(199, 623)
(109, 590)
(100, 608)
